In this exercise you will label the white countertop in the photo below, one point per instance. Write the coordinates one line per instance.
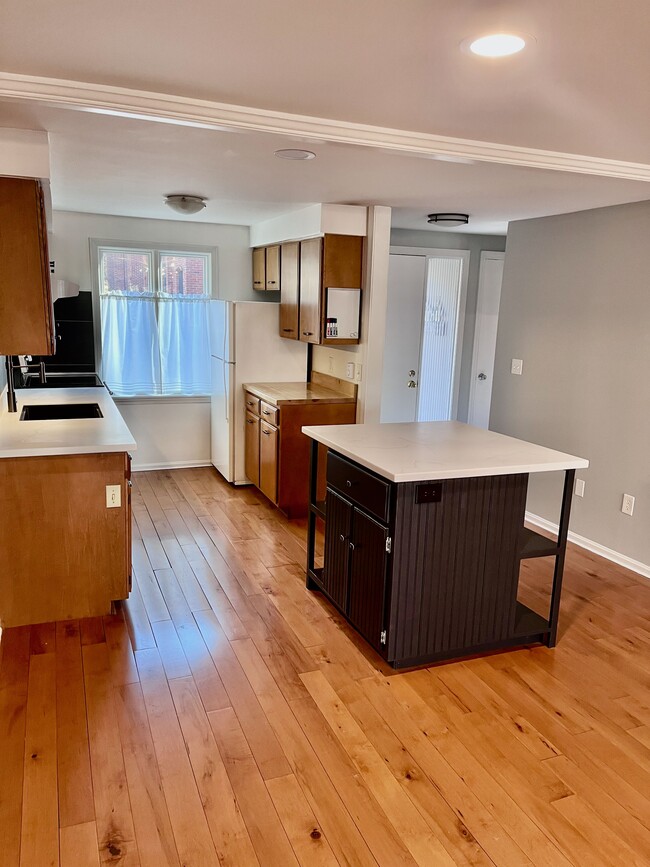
(74, 436)
(438, 450)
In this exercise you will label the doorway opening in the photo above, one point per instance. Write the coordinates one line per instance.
(424, 334)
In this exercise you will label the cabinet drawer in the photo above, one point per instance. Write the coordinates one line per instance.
(268, 412)
(252, 403)
(358, 485)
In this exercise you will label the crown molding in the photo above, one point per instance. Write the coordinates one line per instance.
(205, 114)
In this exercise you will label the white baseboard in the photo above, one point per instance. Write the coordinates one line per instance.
(170, 465)
(594, 547)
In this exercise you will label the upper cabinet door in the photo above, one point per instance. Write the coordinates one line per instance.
(259, 269)
(289, 288)
(26, 318)
(310, 290)
(273, 268)
(342, 261)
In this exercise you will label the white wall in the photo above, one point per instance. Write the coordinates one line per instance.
(575, 306)
(169, 431)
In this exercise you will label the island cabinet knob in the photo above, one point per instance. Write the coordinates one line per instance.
(351, 546)
(342, 537)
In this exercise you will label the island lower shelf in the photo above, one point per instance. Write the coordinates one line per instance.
(429, 571)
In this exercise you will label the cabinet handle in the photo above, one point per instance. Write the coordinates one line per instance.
(249, 421)
(351, 546)
(266, 412)
(267, 433)
(342, 537)
(271, 282)
(308, 333)
(288, 329)
(349, 483)
(257, 283)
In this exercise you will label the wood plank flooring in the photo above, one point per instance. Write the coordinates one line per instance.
(224, 715)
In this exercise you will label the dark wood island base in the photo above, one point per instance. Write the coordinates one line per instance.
(428, 571)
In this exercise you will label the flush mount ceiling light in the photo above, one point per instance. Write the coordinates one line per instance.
(496, 44)
(184, 204)
(294, 154)
(448, 219)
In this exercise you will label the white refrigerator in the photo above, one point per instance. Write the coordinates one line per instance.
(245, 347)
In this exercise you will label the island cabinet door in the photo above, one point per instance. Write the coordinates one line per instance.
(368, 565)
(337, 548)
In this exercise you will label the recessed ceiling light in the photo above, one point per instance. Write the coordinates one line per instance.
(294, 154)
(497, 45)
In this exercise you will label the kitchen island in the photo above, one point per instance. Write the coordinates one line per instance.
(65, 506)
(424, 536)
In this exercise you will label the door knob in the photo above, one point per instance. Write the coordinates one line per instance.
(482, 376)
(411, 373)
(412, 383)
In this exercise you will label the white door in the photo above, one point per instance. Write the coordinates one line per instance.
(485, 338)
(406, 281)
(425, 314)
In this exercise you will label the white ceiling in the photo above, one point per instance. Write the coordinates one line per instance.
(582, 88)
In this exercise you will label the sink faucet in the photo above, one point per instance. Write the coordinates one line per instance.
(11, 391)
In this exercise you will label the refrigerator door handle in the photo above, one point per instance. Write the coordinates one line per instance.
(224, 368)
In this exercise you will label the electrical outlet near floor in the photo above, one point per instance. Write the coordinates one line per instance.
(517, 366)
(113, 496)
(627, 506)
(580, 488)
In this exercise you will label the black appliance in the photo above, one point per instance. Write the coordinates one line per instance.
(73, 364)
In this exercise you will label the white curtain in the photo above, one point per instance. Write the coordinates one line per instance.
(154, 347)
(184, 346)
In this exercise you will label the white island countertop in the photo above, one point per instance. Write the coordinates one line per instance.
(69, 436)
(419, 451)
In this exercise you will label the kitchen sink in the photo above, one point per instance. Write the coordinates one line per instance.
(68, 380)
(43, 411)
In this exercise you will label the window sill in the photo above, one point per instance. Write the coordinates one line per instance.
(168, 399)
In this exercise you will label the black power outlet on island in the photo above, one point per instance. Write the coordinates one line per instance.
(428, 493)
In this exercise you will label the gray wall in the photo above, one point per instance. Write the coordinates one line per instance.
(457, 241)
(575, 306)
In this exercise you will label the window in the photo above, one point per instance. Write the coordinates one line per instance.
(155, 319)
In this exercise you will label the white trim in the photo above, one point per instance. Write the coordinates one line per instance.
(594, 547)
(168, 399)
(170, 465)
(478, 325)
(206, 114)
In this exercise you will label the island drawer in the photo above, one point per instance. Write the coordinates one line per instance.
(269, 412)
(359, 485)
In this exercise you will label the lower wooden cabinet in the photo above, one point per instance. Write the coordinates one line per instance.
(268, 449)
(65, 555)
(277, 452)
(252, 445)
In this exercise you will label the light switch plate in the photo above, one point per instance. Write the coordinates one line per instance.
(580, 488)
(349, 370)
(517, 366)
(113, 496)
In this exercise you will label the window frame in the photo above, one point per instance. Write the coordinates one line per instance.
(155, 249)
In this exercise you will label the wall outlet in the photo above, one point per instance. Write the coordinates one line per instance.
(113, 496)
(580, 488)
(349, 370)
(517, 366)
(331, 363)
(627, 506)
(358, 377)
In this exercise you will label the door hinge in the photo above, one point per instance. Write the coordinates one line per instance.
(382, 636)
(389, 545)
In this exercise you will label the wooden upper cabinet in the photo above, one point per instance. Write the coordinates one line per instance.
(26, 315)
(310, 290)
(342, 261)
(273, 268)
(259, 269)
(290, 288)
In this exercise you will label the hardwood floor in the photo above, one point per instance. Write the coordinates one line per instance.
(227, 716)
